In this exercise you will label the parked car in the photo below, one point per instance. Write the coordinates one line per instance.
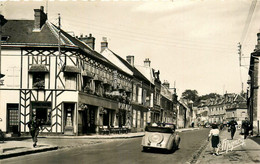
(161, 138)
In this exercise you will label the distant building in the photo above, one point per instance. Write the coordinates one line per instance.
(223, 109)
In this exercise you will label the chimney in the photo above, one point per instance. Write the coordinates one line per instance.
(147, 62)
(39, 18)
(166, 84)
(104, 44)
(130, 60)
(157, 74)
(89, 40)
(257, 47)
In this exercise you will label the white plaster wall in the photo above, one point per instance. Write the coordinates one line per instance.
(6, 97)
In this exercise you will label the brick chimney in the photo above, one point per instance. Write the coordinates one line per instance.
(257, 47)
(130, 60)
(166, 84)
(89, 40)
(39, 18)
(147, 62)
(104, 44)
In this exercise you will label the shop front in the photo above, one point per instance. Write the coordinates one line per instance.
(95, 112)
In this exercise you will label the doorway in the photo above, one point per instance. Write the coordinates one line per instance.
(12, 118)
(69, 109)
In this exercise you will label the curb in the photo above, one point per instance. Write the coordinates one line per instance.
(95, 137)
(20, 153)
(197, 155)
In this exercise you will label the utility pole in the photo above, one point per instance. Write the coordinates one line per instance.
(239, 53)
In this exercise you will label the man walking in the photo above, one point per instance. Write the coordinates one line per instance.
(34, 126)
(246, 126)
(232, 126)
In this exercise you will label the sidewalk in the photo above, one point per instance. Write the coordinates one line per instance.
(23, 145)
(249, 152)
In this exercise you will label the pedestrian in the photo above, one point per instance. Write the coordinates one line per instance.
(214, 134)
(34, 126)
(246, 125)
(232, 127)
(192, 124)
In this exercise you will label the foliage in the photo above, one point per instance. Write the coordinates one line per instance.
(193, 95)
(209, 96)
(190, 95)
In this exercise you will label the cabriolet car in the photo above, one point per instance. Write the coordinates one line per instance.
(160, 138)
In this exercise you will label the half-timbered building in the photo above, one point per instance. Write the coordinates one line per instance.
(59, 78)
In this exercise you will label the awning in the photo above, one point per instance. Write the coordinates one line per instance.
(36, 68)
(107, 82)
(71, 69)
(87, 74)
(98, 78)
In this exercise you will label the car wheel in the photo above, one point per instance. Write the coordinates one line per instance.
(145, 149)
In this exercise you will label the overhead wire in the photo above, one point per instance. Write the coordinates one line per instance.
(148, 39)
(244, 35)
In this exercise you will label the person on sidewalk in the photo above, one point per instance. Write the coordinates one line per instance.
(232, 126)
(246, 125)
(214, 134)
(34, 126)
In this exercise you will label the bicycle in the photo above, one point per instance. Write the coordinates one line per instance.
(2, 135)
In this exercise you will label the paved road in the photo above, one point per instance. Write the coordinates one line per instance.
(123, 151)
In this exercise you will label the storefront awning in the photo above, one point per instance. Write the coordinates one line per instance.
(38, 68)
(71, 69)
(139, 107)
(98, 78)
(107, 82)
(87, 74)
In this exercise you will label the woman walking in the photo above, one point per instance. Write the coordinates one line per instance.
(214, 134)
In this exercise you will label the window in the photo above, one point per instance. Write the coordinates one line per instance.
(39, 80)
(70, 81)
(12, 116)
(87, 85)
(134, 93)
(42, 110)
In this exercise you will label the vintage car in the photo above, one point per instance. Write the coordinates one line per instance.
(160, 137)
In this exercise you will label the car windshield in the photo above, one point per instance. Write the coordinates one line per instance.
(159, 129)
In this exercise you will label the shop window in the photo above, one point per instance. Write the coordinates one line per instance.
(42, 110)
(87, 85)
(39, 80)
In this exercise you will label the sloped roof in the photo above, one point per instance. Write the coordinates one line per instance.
(147, 72)
(114, 59)
(21, 33)
(136, 72)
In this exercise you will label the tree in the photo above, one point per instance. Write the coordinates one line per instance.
(190, 95)
(209, 96)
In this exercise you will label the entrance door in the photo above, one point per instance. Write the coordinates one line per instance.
(12, 118)
(68, 118)
(91, 125)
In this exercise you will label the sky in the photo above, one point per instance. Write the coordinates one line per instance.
(193, 43)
